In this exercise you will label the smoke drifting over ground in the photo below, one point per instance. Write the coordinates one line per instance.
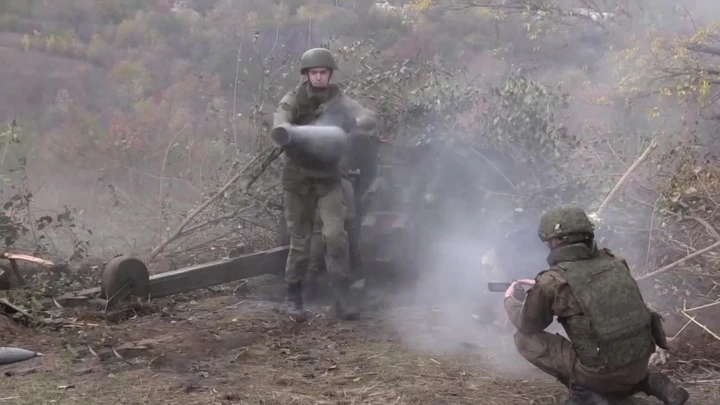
(454, 311)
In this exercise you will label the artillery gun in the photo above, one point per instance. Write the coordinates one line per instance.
(400, 193)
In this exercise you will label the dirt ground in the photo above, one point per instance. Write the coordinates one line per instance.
(233, 346)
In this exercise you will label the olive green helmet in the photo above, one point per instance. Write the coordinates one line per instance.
(562, 221)
(317, 57)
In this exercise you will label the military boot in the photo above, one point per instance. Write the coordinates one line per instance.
(313, 290)
(310, 289)
(660, 386)
(295, 302)
(580, 395)
(345, 306)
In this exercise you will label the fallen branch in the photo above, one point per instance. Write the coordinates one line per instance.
(705, 328)
(646, 153)
(711, 230)
(179, 231)
(682, 329)
(213, 221)
(712, 304)
(678, 262)
(16, 312)
(252, 177)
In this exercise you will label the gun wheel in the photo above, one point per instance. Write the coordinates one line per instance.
(124, 277)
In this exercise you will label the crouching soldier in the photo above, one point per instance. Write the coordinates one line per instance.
(598, 302)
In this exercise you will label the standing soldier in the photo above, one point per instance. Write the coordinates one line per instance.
(312, 187)
(597, 301)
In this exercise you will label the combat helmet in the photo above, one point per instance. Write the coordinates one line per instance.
(317, 57)
(562, 221)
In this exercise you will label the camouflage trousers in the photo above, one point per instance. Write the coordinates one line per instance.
(317, 241)
(554, 354)
(327, 204)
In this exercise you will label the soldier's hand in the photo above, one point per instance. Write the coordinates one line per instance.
(516, 290)
(511, 290)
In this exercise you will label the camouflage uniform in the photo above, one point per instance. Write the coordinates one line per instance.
(611, 340)
(312, 188)
(317, 244)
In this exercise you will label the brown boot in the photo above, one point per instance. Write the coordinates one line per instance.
(663, 388)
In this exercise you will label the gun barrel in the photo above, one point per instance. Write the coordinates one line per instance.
(498, 287)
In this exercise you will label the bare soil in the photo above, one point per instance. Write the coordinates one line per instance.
(234, 347)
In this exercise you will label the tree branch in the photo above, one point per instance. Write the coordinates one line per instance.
(677, 263)
(178, 232)
(653, 145)
(710, 50)
(705, 328)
